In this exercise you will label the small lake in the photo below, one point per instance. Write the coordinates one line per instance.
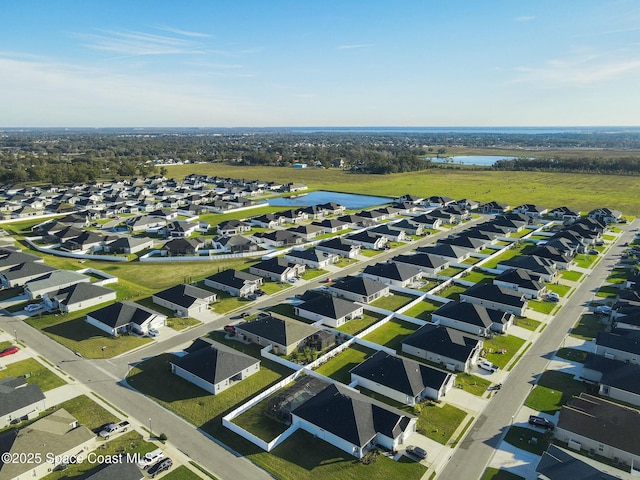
(484, 160)
(348, 200)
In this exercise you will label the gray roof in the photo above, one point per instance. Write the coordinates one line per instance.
(472, 314)
(184, 295)
(122, 313)
(278, 330)
(615, 373)
(401, 374)
(393, 271)
(351, 415)
(215, 363)
(494, 293)
(233, 278)
(10, 258)
(79, 292)
(50, 281)
(310, 254)
(560, 464)
(421, 259)
(28, 269)
(521, 278)
(445, 341)
(329, 306)
(359, 285)
(15, 394)
(625, 343)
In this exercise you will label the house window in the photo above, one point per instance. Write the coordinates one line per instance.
(600, 447)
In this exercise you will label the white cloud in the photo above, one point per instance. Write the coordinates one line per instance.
(185, 33)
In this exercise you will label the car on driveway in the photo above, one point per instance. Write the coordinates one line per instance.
(603, 309)
(541, 422)
(149, 458)
(9, 351)
(553, 297)
(161, 466)
(487, 365)
(421, 453)
(33, 307)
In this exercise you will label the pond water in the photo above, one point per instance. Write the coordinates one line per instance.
(348, 200)
(484, 160)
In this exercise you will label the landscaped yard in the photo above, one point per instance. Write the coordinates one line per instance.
(393, 301)
(452, 291)
(527, 323)
(392, 333)
(509, 344)
(225, 302)
(505, 255)
(528, 439)
(423, 310)
(450, 272)
(553, 390)
(181, 473)
(87, 412)
(608, 291)
(338, 367)
(471, 260)
(572, 354)
(257, 422)
(37, 373)
(588, 327)
(561, 290)
(571, 275)
(180, 323)
(618, 275)
(585, 261)
(83, 338)
(352, 327)
(477, 276)
(541, 306)
(311, 273)
(472, 384)
(439, 421)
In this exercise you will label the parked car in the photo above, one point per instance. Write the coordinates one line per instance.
(112, 428)
(488, 366)
(244, 314)
(149, 458)
(33, 307)
(153, 332)
(161, 466)
(230, 329)
(553, 297)
(603, 309)
(9, 351)
(421, 453)
(541, 422)
(593, 251)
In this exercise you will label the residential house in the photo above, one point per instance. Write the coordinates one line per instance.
(124, 317)
(495, 297)
(534, 265)
(307, 232)
(561, 261)
(331, 225)
(564, 214)
(619, 345)
(277, 269)
(530, 210)
(450, 253)
(367, 240)
(598, 426)
(185, 300)
(77, 297)
(407, 227)
(53, 281)
(233, 227)
(451, 348)
(616, 379)
(235, 244)
(494, 208)
(331, 311)
(427, 221)
(285, 335)
(20, 274)
(53, 437)
(312, 258)
(429, 264)
(19, 399)
(180, 247)
(179, 229)
(339, 247)
(128, 245)
(472, 318)
(234, 282)
(353, 422)
(401, 379)
(358, 289)
(396, 274)
(391, 234)
(278, 238)
(213, 366)
(521, 281)
(606, 215)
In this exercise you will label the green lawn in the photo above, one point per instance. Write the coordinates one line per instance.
(257, 422)
(393, 301)
(608, 291)
(423, 310)
(78, 336)
(352, 327)
(505, 255)
(270, 287)
(177, 323)
(450, 272)
(541, 306)
(181, 473)
(510, 343)
(471, 261)
(561, 290)
(477, 276)
(571, 275)
(452, 291)
(528, 439)
(7, 293)
(311, 273)
(38, 374)
(370, 253)
(338, 367)
(618, 275)
(472, 384)
(180, 323)
(87, 412)
(392, 333)
(527, 323)
(553, 390)
(439, 421)
(572, 354)
(225, 302)
(498, 474)
(588, 327)
(585, 261)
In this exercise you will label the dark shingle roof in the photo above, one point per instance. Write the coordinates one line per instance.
(79, 293)
(421, 259)
(359, 285)
(472, 314)
(183, 295)
(233, 278)
(122, 313)
(278, 330)
(494, 293)
(393, 271)
(15, 394)
(444, 341)
(331, 307)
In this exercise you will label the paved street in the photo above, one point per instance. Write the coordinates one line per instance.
(480, 443)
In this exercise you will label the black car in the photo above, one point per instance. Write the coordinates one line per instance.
(417, 451)
(541, 422)
(161, 466)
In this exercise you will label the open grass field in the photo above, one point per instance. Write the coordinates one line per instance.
(338, 367)
(392, 333)
(579, 191)
(553, 390)
(37, 373)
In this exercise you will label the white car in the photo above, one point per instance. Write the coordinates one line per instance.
(487, 365)
(150, 458)
(33, 307)
(603, 309)
(553, 297)
(153, 332)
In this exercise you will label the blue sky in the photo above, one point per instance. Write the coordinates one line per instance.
(319, 63)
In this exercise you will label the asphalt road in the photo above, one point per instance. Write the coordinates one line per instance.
(104, 377)
(475, 450)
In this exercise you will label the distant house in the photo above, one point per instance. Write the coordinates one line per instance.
(19, 399)
(185, 300)
(307, 232)
(353, 422)
(564, 213)
(233, 227)
(179, 247)
(52, 437)
(495, 297)
(427, 263)
(367, 240)
(20, 274)
(329, 310)
(52, 282)
(278, 238)
(235, 244)
(560, 259)
(494, 208)
(391, 234)
(607, 215)
(122, 317)
(521, 281)
(616, 379)
(530, 210)
(277, 269)
(331, 225)
(339, 247)
(358, 289)
(285, 335)
(450, 253)
(596, 425)
(445, 346)
(407, 227)
(472, 318)
(213, 366)
(312, 258)
(234, 282)
(77, 297)
(542, 267)
(618, 346)
(401, 379)
(128, 245)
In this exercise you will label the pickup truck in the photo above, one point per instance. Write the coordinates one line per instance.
(113, 428)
